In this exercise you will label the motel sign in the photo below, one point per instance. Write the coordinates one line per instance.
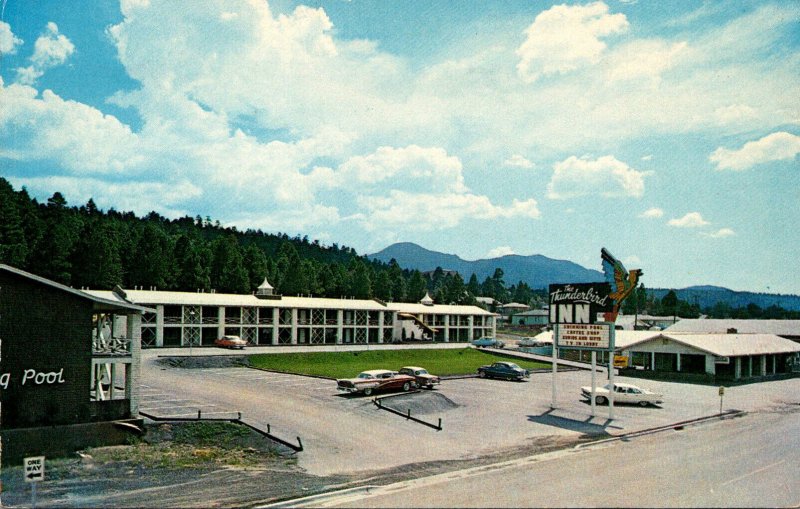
(579, 302)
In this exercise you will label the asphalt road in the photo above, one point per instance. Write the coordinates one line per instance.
(750, 461)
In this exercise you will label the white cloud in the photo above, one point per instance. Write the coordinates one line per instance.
(564, 38)
(518, 161)
(286, 71)
(642, 59)
(429, 212)
(301, 218)
(721, 233)
(401, 167)
(648, 157)
(690, 220)
(50, 49)
(632, 261)
(773, 147)
(78, 137)
(734, 113)
(138, 197)
(500, 251)
(605, 176)
(8, 41)
(652, 213)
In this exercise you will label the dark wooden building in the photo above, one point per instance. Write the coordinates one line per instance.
(69, 364)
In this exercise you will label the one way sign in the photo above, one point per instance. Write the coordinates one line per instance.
(34, 469)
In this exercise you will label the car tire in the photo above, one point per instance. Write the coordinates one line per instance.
(406, 387)
(643, 403)
(482, 374)
(368, 391)
(600, 400)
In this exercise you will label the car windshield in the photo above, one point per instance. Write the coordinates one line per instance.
(513, 366)
(421, 372)
(364, 375)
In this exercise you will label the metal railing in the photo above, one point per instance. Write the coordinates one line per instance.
(113, 347)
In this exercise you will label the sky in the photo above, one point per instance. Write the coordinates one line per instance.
(667, 132)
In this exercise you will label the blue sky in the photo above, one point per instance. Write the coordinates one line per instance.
(669, 135)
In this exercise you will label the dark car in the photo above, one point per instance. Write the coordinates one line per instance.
(506, 370)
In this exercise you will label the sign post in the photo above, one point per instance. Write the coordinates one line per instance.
(573, 314)
(721, 393)
(34, 472)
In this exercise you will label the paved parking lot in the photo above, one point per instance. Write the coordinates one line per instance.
(345, 433)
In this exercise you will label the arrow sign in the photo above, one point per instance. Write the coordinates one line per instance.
(34, 469)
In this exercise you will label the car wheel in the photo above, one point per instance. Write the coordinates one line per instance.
(482, 374)
(368, 391)
(600, 400)
(643, 403)
(406, 387)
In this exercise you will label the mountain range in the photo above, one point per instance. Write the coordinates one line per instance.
(536, 270)
(540, 271)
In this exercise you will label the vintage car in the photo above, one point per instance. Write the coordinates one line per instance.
(421, 376)
(230, 342)
(623, 393)
(507, 370)
(374, 380)
(533, 342)
(487, 341)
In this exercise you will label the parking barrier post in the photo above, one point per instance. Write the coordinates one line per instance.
(198, 415)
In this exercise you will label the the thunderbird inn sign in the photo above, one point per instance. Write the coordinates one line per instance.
(574, 307)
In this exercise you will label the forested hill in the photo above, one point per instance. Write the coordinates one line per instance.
(82, 246)
(710, 297)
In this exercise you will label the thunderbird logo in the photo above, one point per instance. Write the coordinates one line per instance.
(622, 282)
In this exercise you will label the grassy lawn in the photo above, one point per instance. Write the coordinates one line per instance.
(349, 364)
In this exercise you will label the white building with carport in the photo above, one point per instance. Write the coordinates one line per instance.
(731, 356)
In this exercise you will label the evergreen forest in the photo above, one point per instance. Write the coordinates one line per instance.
(85, 247)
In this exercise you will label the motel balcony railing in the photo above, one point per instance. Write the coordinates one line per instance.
(114, 347)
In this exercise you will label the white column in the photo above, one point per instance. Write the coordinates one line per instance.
(471, 331)
(678, 365)
(294, 326)
(711, 366)
(160, 325)
(339, 326)
(275, 325)
(220, 321)
(738, 368)
(380, 326)
(763, 365)
(446, 328)
(133, 370)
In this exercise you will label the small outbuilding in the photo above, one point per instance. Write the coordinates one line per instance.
(69, 364)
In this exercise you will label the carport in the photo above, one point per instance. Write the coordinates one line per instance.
(732, 356)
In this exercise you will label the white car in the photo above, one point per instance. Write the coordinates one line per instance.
(623, 393)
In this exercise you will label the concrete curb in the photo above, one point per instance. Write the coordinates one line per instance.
(675, 426)
(320, 497)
